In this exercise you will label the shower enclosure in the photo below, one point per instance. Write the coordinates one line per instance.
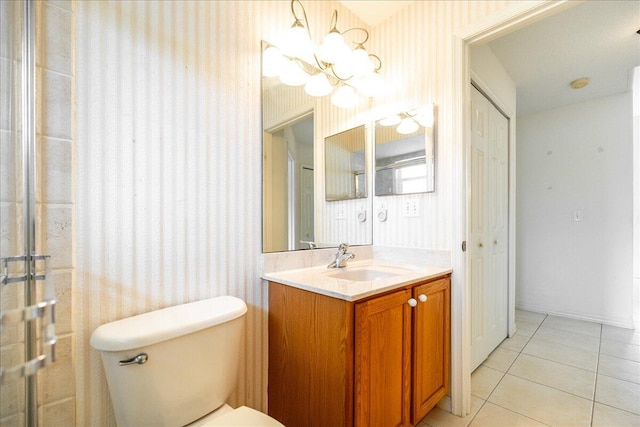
(27, 311)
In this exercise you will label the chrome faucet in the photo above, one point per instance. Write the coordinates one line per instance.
(342, 257)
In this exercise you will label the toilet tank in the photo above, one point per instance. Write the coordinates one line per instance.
(191, 366)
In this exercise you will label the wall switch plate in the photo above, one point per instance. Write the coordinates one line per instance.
(341, 212)
(411, 207)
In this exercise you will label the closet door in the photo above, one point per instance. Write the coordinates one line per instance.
(488, 220)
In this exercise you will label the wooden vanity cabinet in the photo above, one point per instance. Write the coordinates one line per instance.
(375, 362)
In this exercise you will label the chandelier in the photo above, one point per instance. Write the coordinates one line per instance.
(331, 67)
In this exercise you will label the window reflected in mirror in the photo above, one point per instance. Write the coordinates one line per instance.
(345, 165)
(404, 153)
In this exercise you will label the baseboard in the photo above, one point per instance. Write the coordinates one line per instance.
(619, 322)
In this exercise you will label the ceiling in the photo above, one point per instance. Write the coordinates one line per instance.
(595, 39)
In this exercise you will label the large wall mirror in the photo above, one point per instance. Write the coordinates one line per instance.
(345, 165)
(404, 153)
(295, 213)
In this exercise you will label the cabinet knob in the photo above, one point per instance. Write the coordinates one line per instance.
(412, 302)
(422, 297)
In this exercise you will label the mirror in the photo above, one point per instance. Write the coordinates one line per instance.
(345, 165)
(404, 153)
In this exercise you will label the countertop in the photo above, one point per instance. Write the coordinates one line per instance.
(328, 281)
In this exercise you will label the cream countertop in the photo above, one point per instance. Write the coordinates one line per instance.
(328, 281)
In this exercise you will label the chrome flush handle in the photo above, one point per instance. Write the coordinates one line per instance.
(136, 360)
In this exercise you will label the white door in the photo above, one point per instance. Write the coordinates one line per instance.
(488, 210)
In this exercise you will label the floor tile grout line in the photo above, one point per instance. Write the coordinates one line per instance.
(595, 383)
(572, 332)
(514, 360)
(619, 379)
(516, 412)
(551, 387)
(484, 402)
(560, 363)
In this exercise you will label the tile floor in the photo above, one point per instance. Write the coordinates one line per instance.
(556, 372)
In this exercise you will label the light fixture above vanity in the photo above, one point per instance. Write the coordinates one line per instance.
(330, 67)
(410, 121)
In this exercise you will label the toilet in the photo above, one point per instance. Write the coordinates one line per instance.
(177, 366)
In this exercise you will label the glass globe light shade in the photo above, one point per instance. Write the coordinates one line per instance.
(407, 126)
(295, 42)
(333, 49)
(390, 121)
(360, 62)
(318, 85)
(272, 62)
(344, 97)
(292, 74)
(342, 69)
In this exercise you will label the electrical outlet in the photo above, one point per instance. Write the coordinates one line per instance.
(411, 207)
(341, 212)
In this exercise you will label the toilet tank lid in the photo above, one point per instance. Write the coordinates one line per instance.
(161, 325)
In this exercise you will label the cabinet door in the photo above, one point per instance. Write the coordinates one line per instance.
(431, 346)
(382, 361)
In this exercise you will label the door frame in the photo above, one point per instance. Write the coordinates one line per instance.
(513, 17)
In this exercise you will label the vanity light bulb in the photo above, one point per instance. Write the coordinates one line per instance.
(407, 126)
(292, 74)
(272, 62)
(333, 49)
(360, 62)
(295, 41)
(344, 97)
(318, 85)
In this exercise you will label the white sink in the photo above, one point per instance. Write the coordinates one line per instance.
(364, 274)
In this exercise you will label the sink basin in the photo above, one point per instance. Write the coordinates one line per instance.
(363, 274)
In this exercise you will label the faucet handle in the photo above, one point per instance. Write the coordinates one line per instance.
(343, 248)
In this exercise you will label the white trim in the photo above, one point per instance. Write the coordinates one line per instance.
(619, 322)
(497, 24)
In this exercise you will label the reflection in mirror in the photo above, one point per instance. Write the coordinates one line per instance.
(288, 186)
(404, 153)
(345, 165)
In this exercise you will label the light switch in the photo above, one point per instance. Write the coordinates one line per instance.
(341, 212)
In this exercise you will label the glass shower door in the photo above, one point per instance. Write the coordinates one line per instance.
(27, 301)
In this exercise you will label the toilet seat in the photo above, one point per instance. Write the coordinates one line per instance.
(243, 417)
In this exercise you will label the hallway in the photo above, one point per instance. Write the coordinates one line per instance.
(555, 371)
